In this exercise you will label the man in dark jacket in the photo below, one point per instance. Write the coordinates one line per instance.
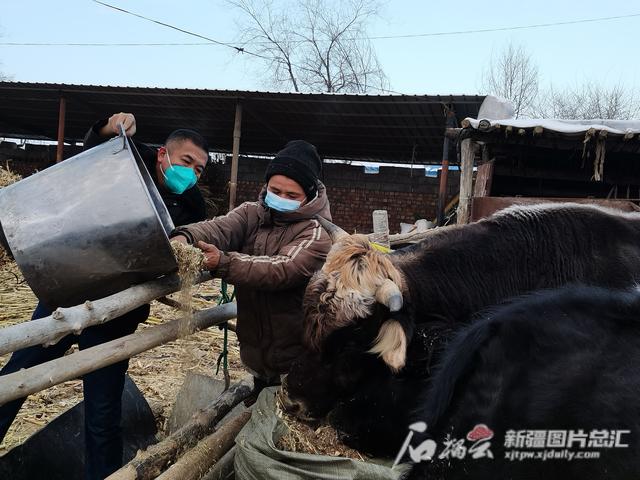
(269, 250)
(175, 169)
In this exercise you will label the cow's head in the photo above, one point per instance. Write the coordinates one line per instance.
(355, 278)
(318, 381)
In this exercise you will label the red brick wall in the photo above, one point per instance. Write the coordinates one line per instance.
(353, 195)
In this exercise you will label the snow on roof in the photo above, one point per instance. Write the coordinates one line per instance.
(496, 112)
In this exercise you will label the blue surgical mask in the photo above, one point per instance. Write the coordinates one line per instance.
(280, 204)
(178, 178)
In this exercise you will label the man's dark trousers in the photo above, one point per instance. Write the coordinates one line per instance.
(102, 389)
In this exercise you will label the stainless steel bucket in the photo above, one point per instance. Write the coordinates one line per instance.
(88, 227)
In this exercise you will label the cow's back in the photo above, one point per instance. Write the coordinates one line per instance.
(564, 360)
(459, 270)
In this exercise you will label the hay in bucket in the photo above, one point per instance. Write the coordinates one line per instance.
(302, 438)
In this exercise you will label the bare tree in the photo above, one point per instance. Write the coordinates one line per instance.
(512, 75)
(314, 45)
(3, 76)
(590, 100)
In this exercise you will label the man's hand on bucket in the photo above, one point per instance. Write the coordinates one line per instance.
(127, 120)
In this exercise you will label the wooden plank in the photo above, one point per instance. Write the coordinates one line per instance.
(466, 180)
(150, 463)
(25, 382)
(484, 178)
(64, 321)
(233, 182)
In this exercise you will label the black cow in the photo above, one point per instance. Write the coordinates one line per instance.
(565, 360)
(362, 297)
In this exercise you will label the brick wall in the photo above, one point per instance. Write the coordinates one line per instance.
(353, 194)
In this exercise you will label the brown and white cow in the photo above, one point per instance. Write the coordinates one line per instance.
(459, 270)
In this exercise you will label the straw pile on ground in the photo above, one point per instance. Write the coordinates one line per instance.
(7, 177)
(158, 373)
(302, 438)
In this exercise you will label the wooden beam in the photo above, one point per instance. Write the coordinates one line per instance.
(150, 463)
(466, 180)
(64, 321)
(223, 468)
(233, 183)
(207, 452)
(484, 178)
(442, 192)
(25, 382)
(62, 109)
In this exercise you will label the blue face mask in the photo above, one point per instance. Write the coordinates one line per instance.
(178, 178)
(280, 204)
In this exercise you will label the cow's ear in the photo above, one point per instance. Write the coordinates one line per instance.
(391, 344)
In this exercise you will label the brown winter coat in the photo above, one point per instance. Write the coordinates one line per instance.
(269, 257)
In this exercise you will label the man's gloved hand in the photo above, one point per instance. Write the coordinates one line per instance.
(113, 125)
(211, 255)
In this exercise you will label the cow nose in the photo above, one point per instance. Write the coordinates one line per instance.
(288, 405)
(293, 408)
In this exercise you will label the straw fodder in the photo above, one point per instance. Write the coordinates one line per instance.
(302, 438)
(190, 261)
(7, 177)
(159, 372)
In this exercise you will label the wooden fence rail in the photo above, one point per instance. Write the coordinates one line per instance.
(25, 382)
(49, 330)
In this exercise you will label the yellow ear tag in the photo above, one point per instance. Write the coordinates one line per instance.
(380, 248)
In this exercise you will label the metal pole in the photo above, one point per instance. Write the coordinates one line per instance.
(61, 117)
(442, 192)
(451, 122)
(233, 183)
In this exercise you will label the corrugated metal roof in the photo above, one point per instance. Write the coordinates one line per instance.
(343, 126)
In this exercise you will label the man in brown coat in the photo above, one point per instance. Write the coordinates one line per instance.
(269, 250)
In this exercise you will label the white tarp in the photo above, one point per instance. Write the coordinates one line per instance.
(496, 111)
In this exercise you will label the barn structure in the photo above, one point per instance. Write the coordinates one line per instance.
(390, 129)
(523, 161)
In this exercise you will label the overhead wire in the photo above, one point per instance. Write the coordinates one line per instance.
(217, 42)
(243, 50)
(238, 49)
(173, 27)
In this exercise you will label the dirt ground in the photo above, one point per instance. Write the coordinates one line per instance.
(159, 372)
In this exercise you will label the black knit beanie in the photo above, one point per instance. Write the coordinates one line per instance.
(298, 160)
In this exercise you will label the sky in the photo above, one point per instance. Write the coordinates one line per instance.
(604, 52)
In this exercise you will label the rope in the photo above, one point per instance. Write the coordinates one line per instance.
(222, 358)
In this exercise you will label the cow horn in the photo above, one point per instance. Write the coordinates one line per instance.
(334, 231)
(389, 294)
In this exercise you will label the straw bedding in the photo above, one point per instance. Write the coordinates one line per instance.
(159, 372)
